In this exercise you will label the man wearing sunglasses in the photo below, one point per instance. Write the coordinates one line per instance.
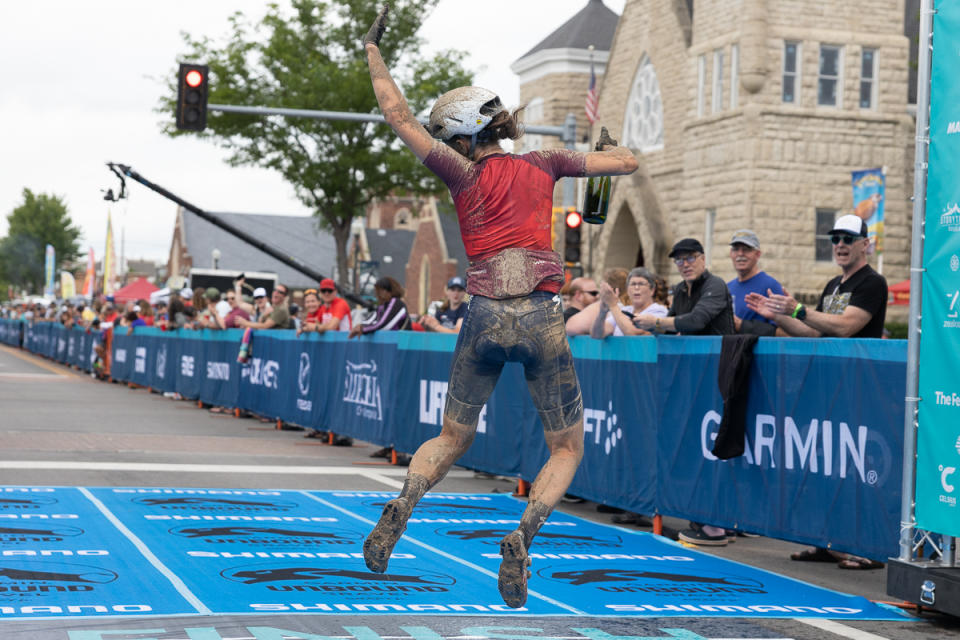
(702, 305)
(852, 305)
(583, 292)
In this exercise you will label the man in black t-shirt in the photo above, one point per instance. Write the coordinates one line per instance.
(852, 305)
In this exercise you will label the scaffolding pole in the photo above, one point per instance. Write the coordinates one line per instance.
(921, 151)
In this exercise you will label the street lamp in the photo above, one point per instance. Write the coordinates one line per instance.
(216, 258)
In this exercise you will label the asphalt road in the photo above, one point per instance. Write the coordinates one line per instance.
(60, 427)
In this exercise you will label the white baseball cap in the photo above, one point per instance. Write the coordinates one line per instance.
(854, 225)
(186, 292)
(259, 292)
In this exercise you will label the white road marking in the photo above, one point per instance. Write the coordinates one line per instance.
(33, 376)
(177, 583)
(378, 475)
(446, 555)
(841, 630)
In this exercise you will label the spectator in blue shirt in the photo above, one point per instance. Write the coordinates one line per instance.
(745, 254)
(449, 317)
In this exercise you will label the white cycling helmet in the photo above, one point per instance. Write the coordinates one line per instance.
(463, 112)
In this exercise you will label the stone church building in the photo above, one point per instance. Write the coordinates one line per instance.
(743, 113)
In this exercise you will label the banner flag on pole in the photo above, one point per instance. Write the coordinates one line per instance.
(869, 193)
(49, 290)
(68, 285)
(109, 262)
(90, 277)
(591, 105)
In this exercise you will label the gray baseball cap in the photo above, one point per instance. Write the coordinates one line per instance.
(747, 237)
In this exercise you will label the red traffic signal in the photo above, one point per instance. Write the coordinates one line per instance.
(571, 238)
(193, 87)
(193, 78)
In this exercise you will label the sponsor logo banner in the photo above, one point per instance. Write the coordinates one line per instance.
(937, 459)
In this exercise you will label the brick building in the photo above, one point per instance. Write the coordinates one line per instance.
(744, 113)
(421, 238)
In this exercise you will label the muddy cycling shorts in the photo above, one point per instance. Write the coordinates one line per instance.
(528, 330)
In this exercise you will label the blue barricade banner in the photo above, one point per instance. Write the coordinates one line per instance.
(823, 436)
(421, 390)
(823, 441)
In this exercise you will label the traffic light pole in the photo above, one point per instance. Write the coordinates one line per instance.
(286, 259)
(567, 133)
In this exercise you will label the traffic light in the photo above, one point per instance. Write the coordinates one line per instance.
(192, 89)
(571, 242)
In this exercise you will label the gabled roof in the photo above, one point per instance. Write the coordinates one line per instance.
(447, 216)
(391, 249)
(296, 236)
(595, 25)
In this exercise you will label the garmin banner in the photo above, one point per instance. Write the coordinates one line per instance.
(823, 436)
(938, 434)
(821, 445)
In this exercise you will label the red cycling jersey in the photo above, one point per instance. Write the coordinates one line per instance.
(505, 201)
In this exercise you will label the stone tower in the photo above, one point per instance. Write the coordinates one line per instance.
(749, 113)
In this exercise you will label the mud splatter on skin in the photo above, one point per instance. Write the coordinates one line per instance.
(414, 487)
(534, 516)
(435, 456)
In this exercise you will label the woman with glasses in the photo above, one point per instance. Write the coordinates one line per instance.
(616, 319)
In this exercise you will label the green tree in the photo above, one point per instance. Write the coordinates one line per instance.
(41, 220)
(309, 56)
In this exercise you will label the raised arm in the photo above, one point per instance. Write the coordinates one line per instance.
(609, 159)
(393, 105)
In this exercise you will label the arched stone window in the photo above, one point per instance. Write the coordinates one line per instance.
(643, 121)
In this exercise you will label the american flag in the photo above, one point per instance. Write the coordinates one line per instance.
(591, 105)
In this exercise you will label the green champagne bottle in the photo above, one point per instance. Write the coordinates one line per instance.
(596, 199)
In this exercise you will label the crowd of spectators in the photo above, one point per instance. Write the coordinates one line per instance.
(853, 304)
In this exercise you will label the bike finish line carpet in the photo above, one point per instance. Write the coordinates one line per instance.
(107, 552)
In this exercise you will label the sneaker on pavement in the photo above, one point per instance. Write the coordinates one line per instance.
(698, 537)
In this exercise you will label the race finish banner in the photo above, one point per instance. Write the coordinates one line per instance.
(938, 434)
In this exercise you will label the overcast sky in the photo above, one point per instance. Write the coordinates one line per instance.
(58, 126)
